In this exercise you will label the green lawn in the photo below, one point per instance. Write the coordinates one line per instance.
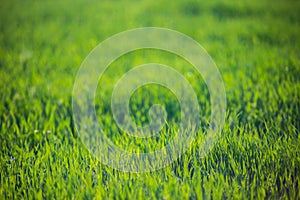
(256, 46)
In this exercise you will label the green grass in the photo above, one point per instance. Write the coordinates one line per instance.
(256, 46)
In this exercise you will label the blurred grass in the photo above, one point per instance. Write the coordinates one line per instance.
(255, 44)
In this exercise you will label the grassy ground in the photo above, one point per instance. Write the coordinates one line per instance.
(256, 46)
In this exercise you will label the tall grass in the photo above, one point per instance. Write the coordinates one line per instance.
(256, 47)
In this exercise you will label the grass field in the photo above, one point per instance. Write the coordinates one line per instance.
(256, 46)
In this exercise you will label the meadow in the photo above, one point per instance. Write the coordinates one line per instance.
(256, 46)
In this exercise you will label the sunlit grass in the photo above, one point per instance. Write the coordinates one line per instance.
(256, 47)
